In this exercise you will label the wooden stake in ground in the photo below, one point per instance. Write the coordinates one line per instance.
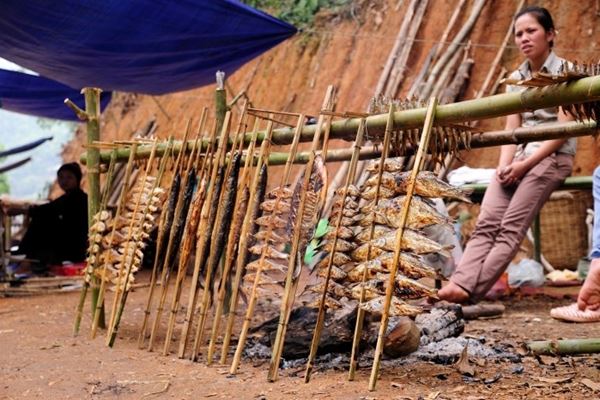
(321, 314)
(103, 278)
(399, 233)
(256, 193)
(204, 227)
(360, 313)
(254, 294)
(290, 281)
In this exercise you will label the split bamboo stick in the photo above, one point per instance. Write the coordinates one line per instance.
(360, 313)
(189, 237)
(253, 293)
(321, 314)
(578, 91)
(206, 220)
(291, 280)
(255, 197)
(431, 110)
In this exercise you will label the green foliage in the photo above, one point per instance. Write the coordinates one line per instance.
(315, 243)
(4, 186)
(300, 13)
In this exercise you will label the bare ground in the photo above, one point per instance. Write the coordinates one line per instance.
(41, 359)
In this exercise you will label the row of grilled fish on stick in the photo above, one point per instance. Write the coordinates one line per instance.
(366, 240)
(276, 225)
(116, 243)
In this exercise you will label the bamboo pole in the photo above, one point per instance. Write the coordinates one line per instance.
(564, 346)
(321, 314)
(204, 224)
(431, 110)
(360, 313)
(288, 295)
(254, 197)
(449, 27)
(498, 57)
(253, 293)
(578, 91)
(445, 58)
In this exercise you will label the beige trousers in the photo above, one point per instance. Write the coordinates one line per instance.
(505, 216)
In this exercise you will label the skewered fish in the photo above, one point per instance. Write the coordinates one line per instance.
(389, 211)
(427, 185)
(336, 273)
(411, 240)
(333, 288)
(410, 289)
(340, 245)
(397, 307)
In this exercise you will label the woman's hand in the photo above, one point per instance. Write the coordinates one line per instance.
(512, 173)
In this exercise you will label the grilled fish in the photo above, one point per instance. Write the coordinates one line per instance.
(389, 165)
(378, 231)
(340, 245)
(267, 265)
(339, 259)
(410, 265)
(270, 205)
(411, 240)
(333, 288)
(329, 303)
(388, 212)
(269, 251)
(336, 273)
(343, 232)
(397, 307)
(352, 191)
(410, 289)
(372, 289)
(426, 185)
(372, 267)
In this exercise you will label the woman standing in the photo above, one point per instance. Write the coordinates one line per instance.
(526, 174)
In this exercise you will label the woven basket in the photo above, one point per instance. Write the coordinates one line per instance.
(563, 230)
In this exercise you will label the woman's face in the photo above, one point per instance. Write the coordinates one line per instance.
(531, 38)
(67, 181)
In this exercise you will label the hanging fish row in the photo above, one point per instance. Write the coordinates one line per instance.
(367, 236)
(569, 71)
(117, 243)
(277, 224)
(446, 139)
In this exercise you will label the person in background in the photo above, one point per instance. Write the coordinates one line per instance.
(587, 308)
(525, 177)
(57, 230)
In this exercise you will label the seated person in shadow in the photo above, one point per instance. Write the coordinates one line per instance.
(57, 230)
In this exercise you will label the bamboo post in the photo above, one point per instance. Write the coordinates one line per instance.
(220, 101)
(564, 346)
(449, 27)
(253, 294)
(360, 313)
(247, 226)
(431, 109)
(200, 248)
(321, 314)
(289, 290)
(92, 117)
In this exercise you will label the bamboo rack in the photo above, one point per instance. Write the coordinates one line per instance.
(579, 91)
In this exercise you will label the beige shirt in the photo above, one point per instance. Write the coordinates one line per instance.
(552, 65)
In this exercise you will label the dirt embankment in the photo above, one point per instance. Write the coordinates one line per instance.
(350, 54)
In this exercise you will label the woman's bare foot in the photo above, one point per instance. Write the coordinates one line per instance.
(453, 293)
(589, 295)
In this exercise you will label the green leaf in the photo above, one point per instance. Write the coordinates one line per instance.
(322, 228)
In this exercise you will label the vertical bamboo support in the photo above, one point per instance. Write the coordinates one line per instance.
(253, 294)
(220, 101)
(321, 314)
(360, 313)
(403, 218)
(290, 281)
(92, 117)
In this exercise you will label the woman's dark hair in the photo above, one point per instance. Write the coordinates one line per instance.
(73, 168)
(542, 16)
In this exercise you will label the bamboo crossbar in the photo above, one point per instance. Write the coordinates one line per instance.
(582, 90)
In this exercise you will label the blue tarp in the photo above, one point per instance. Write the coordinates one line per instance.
(35, 95)
(143, 46)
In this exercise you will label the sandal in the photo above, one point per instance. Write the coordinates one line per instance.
(572, 313)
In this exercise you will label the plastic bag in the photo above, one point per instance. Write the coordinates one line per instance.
(526, 273)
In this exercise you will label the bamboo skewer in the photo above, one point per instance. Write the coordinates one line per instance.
(90, 268)
(188, 241)
(206, 220)
(253, 294)
(360, 313)
(290, 281)
(96, 316)
(399, 233)
(120, 282)
(321, 314)
(220, 233)
(254, 196)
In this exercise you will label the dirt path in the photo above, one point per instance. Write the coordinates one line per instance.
(39, 358)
